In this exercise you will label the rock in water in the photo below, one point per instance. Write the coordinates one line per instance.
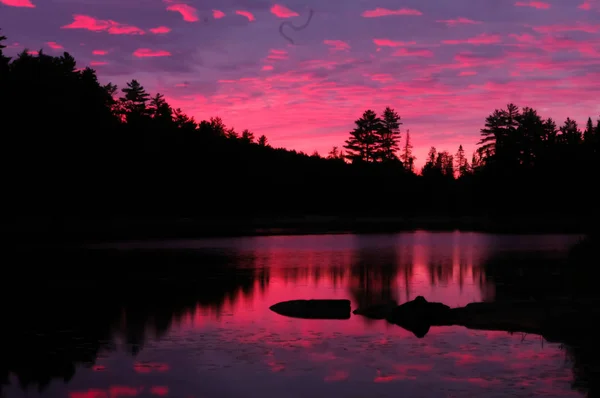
(418, 315)
(314, 309)
(377, 311)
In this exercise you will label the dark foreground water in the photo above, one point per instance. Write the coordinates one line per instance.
(215, 337)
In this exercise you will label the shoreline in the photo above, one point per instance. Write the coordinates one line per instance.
(32, 231)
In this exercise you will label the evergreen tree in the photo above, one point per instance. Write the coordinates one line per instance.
(232, 134)
(262, 141)
(407, 157)
(134, 102)
(247, 137)
(588, 135)
(388, 136)
(570, 133)
(462, 165)
(363, 141)
(336, 154)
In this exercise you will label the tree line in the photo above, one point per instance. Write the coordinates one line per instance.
(74, 147)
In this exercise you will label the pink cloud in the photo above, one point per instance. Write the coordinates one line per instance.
(55, 46)
(467, 73)
(98, 25)
(98, 63)
(392, 43)
(267, 67)
(483, 38)
(246, 14)
(189, 13)
(576, 27)
(17, 3)
(586, 5)
(99, 52)
(282, 12)
(218, 14)
(406, 52)
(384, 12)
(160, 30)
(146, 52)
(277, 55)
(459, 21)
(533, 4)
(337, 45)
(33, 52)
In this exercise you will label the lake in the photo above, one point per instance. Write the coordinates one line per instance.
(207, 332)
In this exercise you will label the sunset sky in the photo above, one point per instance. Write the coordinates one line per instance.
(443, 65)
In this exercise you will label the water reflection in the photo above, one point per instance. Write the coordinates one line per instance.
(216, 294)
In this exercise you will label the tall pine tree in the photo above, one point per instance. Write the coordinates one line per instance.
(407, 157)
(362, 145)
(389, 135)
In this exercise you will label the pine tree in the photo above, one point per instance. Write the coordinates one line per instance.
(247, 137)
(134, 103)
(160, 110)
(462, 165)
(362, 144)
(588, 135)
(388, 135)
(570, 133)
(407, 158)
(262, 141)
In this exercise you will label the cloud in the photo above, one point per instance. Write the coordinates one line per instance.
(267, 67)
(218, 14)
(561, 28)
(384, 12)
(18, 3)
(246, 14)
(99, 52)
(459, 21)
(98, 25)
(337, 45)
(55, 46)
(146, 52)
(277, 55)
(406, 52)
(282, 12)
(189, 13)
(392, 43)
(483, 38)
(586, 5)
(160, 30)
(98, 63)
(467, 73)
(533, 4)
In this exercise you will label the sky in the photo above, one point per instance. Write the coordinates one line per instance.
(443, 65)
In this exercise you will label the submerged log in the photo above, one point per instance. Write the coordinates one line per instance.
(314, 309)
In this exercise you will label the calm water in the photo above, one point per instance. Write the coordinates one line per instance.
(221, 340)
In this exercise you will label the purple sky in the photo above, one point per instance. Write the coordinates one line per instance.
(444, 65)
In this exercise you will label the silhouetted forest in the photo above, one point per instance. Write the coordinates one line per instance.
(79, 149)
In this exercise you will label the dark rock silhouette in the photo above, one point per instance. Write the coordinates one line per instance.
(377, 311)
(314, 309)
(556, 320)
